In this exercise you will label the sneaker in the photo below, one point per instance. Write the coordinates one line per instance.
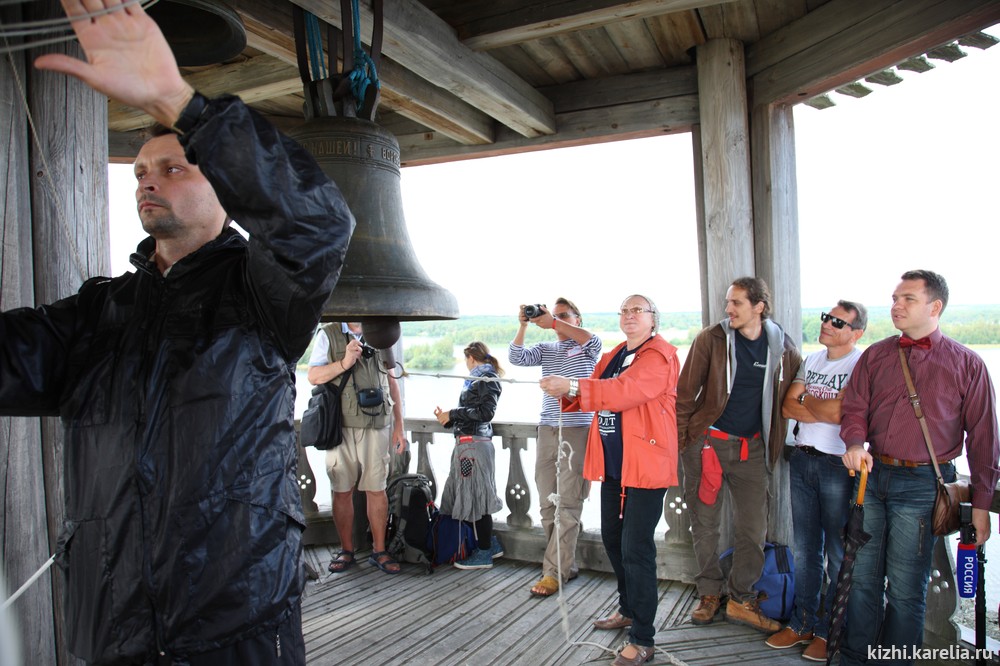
(815, 651)
(748, 613)
(480, 559)
(787, 638)
(707, 609)
(496, 550)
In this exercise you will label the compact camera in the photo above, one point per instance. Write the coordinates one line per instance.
(367, 351)
(532, 311)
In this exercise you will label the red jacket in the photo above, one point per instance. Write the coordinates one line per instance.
(646, 395)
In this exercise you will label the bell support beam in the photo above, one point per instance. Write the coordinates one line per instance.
(269, 29)
(420, 41)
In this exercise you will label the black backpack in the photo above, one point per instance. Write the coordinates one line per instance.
(411, 510)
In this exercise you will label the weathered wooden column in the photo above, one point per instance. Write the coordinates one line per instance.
(776, 243)
(55, 207)
(776, 212)
(726, 225)
(24, 544)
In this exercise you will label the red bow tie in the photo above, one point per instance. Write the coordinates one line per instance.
(923, 343)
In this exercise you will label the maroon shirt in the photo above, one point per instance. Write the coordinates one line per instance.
(957, 399)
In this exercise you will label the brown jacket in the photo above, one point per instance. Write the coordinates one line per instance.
(705, 382)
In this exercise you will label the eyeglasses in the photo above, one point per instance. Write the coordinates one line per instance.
(635, 312)
(565, 316)
(836, 322)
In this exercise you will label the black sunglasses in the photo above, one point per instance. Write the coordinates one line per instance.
(836, 322)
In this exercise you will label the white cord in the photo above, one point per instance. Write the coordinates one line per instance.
(21, 590)
(565, 450)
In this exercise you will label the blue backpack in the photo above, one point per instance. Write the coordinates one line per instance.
(776, 583)
(449, 539)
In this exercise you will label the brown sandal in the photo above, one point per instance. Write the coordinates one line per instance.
(546, 587)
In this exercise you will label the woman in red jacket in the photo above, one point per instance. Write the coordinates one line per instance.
(632, 451)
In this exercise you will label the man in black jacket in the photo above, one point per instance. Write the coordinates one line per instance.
(182, 541)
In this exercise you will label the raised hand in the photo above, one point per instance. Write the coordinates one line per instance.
(128, 58)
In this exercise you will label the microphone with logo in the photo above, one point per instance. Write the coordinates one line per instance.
(970, 572)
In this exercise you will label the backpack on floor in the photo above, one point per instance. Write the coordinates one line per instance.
(411, 509)
(777, 581)
(450, 539)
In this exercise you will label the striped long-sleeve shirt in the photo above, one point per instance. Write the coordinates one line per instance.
(566, 358)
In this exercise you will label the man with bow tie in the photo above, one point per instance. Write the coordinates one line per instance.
(959, 404)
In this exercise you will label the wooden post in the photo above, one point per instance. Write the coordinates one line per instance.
(776, 242)
(776, 213)
(725, 153)
(54, 202)
(24, 545)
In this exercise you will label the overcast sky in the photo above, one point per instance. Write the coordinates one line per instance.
(905, 178)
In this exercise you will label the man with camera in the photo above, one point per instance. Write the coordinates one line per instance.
(373, 417)
(574, 354)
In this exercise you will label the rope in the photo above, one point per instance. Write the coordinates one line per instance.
(21, 590)
(46, 26)
(439, 375)
(315, 44)
(566, 451)
(363, 74)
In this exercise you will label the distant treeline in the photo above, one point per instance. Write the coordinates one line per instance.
(969, 324)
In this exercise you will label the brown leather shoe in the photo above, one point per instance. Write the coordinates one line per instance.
(815, 651)
(748, 613)
(707, 609)
(787, 638)
(643, 654)
(614, 621)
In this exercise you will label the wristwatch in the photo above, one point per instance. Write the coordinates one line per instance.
(802, 398)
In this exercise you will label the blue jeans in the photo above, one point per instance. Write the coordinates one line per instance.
(631, 549)
(821, 489)
(899, 502)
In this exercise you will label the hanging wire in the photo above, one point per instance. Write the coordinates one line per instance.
(28, 29)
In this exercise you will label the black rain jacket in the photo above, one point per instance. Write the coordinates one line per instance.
(183, 515)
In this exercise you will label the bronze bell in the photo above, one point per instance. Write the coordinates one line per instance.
(200, 32)
(382, 282)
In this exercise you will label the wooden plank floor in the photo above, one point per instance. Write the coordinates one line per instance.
(365, 617)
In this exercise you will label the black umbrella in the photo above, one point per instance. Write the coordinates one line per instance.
(854, 538)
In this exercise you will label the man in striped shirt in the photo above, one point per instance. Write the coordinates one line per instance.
(574, 354)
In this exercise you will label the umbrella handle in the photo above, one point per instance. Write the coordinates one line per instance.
(860, 501)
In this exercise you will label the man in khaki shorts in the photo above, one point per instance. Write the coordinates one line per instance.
(372, 417)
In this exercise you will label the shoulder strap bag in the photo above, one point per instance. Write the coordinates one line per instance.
(323, 421)
(949, 495)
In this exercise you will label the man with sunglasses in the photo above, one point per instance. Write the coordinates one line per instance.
(820, 485)
(574, 354)
(729, 424)
(888, 598)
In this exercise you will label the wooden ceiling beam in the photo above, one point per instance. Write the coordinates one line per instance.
(418, 40)
(528, 20)
(846, 40)
(254, 79)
